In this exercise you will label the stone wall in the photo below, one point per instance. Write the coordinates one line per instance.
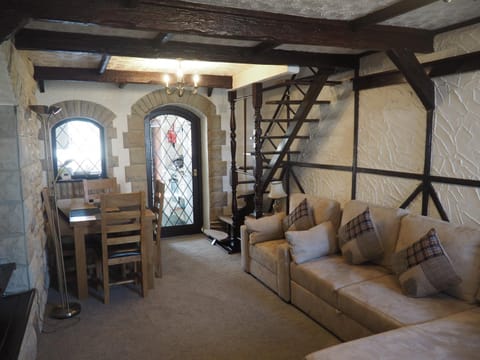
(22, 238)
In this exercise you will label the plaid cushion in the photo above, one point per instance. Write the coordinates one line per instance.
(299, 219)
(424, 268)
(359, 240)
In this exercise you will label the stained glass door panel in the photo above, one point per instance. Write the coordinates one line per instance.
(175, 162)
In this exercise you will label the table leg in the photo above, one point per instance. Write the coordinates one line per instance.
(81, 261)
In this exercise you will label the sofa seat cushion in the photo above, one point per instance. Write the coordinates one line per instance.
(380, 305)
(452, 337)
(265, 253)
(325, 276)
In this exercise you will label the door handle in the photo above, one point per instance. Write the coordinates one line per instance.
(195, 172)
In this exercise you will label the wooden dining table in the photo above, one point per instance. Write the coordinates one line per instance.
(85, 219)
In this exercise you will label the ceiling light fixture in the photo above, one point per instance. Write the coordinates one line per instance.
(180, 84)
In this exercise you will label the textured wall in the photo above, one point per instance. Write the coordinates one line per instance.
(392, 125)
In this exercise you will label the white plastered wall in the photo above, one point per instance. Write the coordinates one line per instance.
(392, 127)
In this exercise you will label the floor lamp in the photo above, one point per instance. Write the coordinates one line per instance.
(66, 309)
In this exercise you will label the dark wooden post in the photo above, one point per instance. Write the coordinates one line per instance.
(257, 99)
(234, 234)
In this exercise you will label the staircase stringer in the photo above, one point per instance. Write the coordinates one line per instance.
(301, 114)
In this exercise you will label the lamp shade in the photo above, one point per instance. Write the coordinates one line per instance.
(276, 190)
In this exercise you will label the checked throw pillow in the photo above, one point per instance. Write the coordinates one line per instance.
(424, 267)
(299, 219)
(358, 239)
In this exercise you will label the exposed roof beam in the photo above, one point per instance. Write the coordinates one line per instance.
(183, 17)
(123, 77)
(408, 64)
(442, 67)
(10, 23)
(388, 12)
(53, 41)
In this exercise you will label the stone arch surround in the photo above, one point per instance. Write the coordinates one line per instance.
(134, 141)
(93, 111)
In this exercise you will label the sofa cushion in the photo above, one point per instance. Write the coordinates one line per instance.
(461, 243)
(387, 223)
(325, 276)
(317, 241)
(424, 268)
(300, 218)
(265, 253)
(359, 240)
(453, 337)
(380, 305)
(322, 209)
(265, 228)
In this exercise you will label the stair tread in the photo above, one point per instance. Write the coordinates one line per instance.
(284, 137)
(288, 120)
(275, 152)
(294, 102)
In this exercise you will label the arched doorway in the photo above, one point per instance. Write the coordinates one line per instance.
(173, 150)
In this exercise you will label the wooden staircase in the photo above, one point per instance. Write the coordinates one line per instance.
(273, 139)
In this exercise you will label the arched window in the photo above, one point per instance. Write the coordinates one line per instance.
(78, 149)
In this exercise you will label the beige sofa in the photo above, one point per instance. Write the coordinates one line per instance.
(356, 301)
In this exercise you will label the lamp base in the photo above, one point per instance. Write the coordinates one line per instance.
(62, 312)
(276, 206)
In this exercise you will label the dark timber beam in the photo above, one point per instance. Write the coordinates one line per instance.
(10, 23)
(120, 77)
(228, 23)
(388, 12)
(442, 67)
(55, 41)
(408, 64)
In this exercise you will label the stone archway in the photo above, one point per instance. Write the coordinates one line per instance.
(134, 140)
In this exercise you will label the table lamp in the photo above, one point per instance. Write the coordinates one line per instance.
(276, 193)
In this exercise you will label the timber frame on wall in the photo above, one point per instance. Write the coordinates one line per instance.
(419, 77)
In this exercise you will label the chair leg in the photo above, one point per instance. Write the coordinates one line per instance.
(158, 262)
(106, 281)
(144, 276)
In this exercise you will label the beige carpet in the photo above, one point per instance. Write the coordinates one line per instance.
(204, 307)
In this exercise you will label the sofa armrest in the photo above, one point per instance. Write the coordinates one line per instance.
(244, 242)
(283, 272)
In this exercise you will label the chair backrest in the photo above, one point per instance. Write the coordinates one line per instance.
(122, 217)
(94, 188)
(157, 209)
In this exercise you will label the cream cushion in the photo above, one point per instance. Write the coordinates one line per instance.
(315, 242)
(265, 228)
(380, 305)
(325, 276)
(461, 243)
(387, 222)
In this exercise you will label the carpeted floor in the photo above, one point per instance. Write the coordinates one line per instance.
(204, 307)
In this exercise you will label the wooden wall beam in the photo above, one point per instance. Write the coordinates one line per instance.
(408, 64)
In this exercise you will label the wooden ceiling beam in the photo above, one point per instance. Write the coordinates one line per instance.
(388, 12)
(104, 63)
(53, 41)
(410, 67)
(10, 23)
(124, 77)
(229, 23)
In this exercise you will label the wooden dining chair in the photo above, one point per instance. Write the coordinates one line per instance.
(158, 197)
(122, 219)
(94, 188)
